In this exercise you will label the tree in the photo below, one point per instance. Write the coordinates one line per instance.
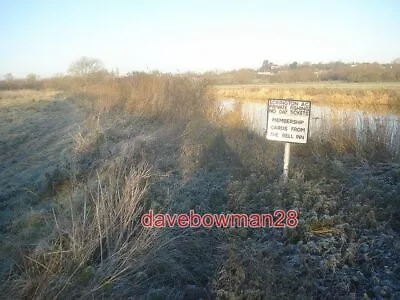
(9, 82)
(266, 66)
(396, 61)
(86, 67)
(8, 77)
(293, 65)
(32, 77)
(32, 81)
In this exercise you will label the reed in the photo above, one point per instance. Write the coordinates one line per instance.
(321, 94)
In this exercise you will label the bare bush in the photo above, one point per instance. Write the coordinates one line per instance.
(161, 96)
(98, 237)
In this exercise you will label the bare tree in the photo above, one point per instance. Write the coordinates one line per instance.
(85, 66)
(87, 69)
(8, 77)
(266, 66)
(32, 77)
(396, 61)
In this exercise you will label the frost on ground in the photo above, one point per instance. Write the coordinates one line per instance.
(35, 137)
(346, 244)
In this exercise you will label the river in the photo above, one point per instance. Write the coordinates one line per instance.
(378, 123)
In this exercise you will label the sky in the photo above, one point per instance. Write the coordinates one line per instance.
(45, 37)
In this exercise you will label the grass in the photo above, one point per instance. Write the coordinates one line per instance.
(23, 97)
(164, 96)
(357, 95)
(321, 84)
(157, 142)
(96, 237)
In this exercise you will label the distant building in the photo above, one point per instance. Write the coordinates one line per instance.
(268, 68)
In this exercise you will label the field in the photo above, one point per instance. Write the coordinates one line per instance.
(319, 84)
(356, 94)
(35, 131)
(79, 167)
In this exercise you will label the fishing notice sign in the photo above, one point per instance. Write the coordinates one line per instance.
(288, 120)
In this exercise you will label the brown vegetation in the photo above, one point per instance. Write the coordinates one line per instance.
(325, 94)
(307, 72)
(156, 141)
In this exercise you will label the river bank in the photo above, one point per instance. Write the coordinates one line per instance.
(371, 94)
(81, 235)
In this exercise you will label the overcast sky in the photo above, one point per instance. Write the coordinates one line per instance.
(44, 37)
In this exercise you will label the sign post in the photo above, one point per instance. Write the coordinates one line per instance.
(286, 160)
(288, 121)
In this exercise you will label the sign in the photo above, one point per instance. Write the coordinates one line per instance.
(288, 120)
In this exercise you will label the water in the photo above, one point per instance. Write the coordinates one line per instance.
(381, 125)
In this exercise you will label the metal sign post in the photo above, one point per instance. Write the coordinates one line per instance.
(288, 121)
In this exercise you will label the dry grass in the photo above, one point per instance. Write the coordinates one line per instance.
(25, 97)
(88, 134)
(371, 141)
(97, 238)
(320, 85)
(162, 96)
(321, 94)
(198, 138)
(340, 130)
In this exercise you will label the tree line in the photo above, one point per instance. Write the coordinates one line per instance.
(310, 72)
(86, 70)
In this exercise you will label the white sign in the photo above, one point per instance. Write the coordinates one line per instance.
(288, 120)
